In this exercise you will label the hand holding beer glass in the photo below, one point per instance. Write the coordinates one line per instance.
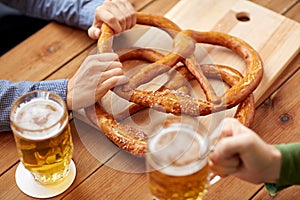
(177, 163)
(40, 124)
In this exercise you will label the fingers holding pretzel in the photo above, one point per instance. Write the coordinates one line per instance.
(118, 14)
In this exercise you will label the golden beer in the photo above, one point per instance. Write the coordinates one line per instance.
(41, 129)
(177, 164)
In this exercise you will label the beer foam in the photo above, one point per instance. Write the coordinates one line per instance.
(178, 154)
(38, 115)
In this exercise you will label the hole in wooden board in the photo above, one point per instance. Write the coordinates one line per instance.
(243, 16)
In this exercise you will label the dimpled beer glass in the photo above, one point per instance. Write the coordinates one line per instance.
(39, 121)
(177, 160)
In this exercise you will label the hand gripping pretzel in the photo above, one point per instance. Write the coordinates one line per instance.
(167, 99)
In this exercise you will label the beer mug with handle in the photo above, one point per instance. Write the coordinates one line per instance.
(177, 162)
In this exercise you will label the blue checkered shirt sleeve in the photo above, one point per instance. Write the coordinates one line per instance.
(78, 13)
(10, 91)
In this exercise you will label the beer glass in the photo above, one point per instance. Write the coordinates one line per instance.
(177, 162)
(39, 121)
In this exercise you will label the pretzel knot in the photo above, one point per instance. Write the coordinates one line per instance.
(168, 98)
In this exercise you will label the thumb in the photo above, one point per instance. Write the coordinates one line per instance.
(94, 32)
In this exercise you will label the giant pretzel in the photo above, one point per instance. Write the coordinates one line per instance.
(170, 98)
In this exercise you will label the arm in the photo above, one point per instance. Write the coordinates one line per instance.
(242, 153)
(103, 73)
(290, 165)
(118, 14)
(77, 13)
(10, 91)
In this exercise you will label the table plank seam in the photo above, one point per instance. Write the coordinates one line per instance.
(290, 8)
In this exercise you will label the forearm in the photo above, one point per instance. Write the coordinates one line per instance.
(10, 91)
(290, 165)
(77, 13)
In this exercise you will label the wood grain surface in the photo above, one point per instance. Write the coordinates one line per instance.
(56, 51)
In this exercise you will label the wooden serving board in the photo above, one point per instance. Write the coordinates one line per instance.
(276, 38)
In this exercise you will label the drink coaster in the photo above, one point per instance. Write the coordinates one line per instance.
(29, 186)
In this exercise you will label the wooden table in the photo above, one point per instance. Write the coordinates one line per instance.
(56, 51)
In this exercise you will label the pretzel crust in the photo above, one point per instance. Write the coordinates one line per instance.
(168, 98)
